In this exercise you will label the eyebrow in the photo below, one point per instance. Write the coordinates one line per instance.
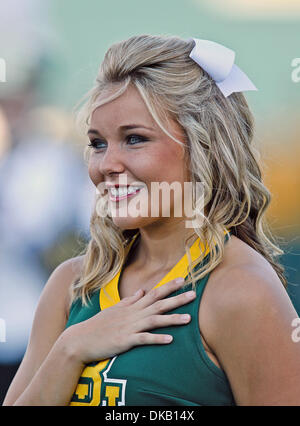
(122, 128)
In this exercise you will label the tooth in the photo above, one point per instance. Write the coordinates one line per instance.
(123, 190)
(134, 189)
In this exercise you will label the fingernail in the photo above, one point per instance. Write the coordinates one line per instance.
(185, 317)
(137, 292)
(168, 338)
(179, 280)
(190, 294)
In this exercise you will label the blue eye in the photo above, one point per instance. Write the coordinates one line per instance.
(135, 139)
(97, 144)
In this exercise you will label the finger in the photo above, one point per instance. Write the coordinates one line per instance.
(161, 292)
(171, 303)
(156, 321)
(168, 304)
(151, 339)
(134, 298)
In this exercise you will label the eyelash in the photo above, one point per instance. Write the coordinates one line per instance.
(93, 142)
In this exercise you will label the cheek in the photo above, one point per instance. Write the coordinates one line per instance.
(169, 165)
(93, 172)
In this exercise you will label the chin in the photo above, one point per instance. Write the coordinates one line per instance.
(128, 222)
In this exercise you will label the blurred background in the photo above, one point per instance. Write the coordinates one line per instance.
(50, 52)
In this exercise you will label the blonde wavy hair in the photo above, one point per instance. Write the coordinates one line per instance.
(219, 142)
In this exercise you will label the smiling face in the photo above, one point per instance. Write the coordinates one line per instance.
(129, 148)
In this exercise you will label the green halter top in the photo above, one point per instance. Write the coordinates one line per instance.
(179, 373)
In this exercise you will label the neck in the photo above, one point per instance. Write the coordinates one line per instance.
(162, 246)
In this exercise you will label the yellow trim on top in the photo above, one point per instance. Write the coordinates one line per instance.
(109, 295)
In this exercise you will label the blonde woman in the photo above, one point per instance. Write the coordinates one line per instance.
(117, 325)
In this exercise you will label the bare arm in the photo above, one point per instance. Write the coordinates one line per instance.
(49, 322)
(55, 357)
(250, 331)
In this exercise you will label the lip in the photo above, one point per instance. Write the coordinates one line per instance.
(116, 185)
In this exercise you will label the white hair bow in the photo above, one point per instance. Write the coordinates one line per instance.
(218, 62)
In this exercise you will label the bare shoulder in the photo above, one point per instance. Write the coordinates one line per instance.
(72, 267)
(53, 307)
(63, 277)
(246, 318)
(242, 289)
(55, 298)
(243, 273)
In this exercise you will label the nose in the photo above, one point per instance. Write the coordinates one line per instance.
(112, 162)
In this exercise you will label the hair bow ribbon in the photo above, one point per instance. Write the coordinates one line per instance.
(218, 62)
